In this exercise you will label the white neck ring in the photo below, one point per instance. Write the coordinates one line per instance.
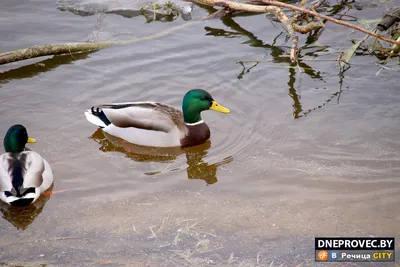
(196, 123)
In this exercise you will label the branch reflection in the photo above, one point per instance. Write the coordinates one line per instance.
(32, 70)
(276, 54)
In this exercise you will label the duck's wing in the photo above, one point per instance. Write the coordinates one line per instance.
(26, 167)
(143, 115)
(5, 177)
(21, 177)
(34, 165)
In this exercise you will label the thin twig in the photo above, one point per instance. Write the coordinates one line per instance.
(295, 40)
(284, 56)
(249, 61)
(217, 14)
(153, 235)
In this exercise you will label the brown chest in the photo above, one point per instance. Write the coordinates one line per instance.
(197, 134)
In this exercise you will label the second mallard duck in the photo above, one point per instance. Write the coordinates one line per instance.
(157, 124)
(24, 174)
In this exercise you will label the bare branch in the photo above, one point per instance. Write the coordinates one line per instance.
(49, 49)
(313, 13)
(312, 26)
(69, 48)
(295, 39)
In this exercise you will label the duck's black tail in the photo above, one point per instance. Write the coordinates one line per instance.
(96, 116)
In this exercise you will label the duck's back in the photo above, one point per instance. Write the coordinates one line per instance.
(23, 169)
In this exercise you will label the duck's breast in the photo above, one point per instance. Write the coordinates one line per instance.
(197, 134)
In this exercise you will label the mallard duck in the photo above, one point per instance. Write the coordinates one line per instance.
(24, 174)
(156, 124)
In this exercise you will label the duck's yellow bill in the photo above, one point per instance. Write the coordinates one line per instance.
(217, 107)
(31, 140)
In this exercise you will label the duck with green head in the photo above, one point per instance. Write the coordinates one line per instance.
(156, 124)
(24, 174)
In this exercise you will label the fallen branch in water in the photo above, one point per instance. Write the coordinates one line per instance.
(272, 6)
(315, 14)
(268, 6)
(69, 48)
(48, 50)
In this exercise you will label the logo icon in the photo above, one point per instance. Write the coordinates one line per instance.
(333, 255)
(323, 255)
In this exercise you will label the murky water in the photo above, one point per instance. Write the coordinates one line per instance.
(304, 153)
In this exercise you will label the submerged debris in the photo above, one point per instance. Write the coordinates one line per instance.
(389, 19)
(155, 9)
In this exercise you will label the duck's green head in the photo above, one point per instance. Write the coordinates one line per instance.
(16, 139)
(197, 100)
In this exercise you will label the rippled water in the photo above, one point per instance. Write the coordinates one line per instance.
(304, 153)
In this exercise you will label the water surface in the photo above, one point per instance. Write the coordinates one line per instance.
(305, 152)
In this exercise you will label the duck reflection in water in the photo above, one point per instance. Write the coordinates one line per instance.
(22, 217)
(196, 169)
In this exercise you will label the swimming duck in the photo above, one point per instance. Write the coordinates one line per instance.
(24, 174)
(156, 124)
